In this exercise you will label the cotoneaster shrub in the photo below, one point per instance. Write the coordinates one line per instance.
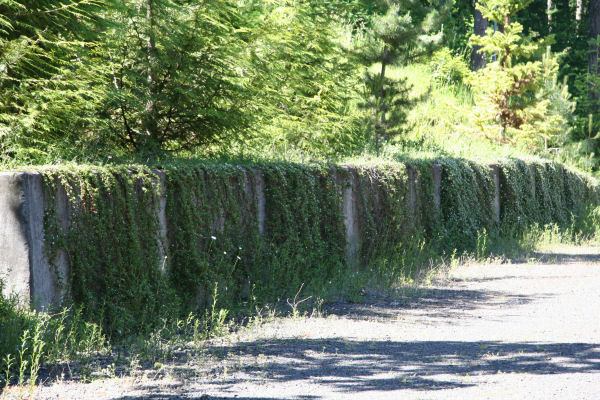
(223, 247)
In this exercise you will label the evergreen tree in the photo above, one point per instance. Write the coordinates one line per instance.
(305, 82)
(403, 32)
(174, 74)
(44, 76)
(517, 92)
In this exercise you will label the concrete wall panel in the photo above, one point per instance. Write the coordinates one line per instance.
(14, 242)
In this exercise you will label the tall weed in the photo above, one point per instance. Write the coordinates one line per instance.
(30, 339)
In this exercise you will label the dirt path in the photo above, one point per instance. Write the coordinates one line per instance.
(524, 331)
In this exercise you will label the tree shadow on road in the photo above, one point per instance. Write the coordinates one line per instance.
(566, 258)
(363, 366)
(441, 303)
(390, 365)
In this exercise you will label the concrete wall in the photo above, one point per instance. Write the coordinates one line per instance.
(24, 265)
(39, 278)
(14, 231)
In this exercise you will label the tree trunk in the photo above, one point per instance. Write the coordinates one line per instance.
(378, 136)
(593, 53)
(149, 123)
(506, 23)
(548, 9)
(506, 54)
(578, 8)
(479, 27)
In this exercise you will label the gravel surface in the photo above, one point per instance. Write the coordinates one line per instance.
(502, 331)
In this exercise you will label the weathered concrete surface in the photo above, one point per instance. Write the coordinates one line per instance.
(254, 188)
(42, 290)
(495, 171)
(413, 189)
(161, 215)
(437, 185)
(531, 170)
(259, 191)
(14, 244)
(350, 214)
(59, 268)
(218, 225)
(24, 266)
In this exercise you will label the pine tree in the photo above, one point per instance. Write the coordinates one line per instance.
(46, 95)
(305, 81)
(403, 32)
(174, 73)
(517, 93)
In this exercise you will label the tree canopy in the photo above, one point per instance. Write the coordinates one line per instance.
(88, 79)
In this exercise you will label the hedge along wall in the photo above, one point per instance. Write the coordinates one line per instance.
(133, 245)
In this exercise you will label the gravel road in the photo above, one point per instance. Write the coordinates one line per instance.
(501, 331)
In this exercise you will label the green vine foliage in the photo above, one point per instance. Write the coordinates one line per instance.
(252, 233)
(544, 192)
(467, 195)
(305, 237)
(383, 207)
(517, 182)
(212, 235)
(111, 244)
(215, 233)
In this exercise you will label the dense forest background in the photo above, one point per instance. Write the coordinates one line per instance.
(104, 81)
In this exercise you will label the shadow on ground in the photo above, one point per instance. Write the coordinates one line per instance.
(439, 303)
(566, 258)
(344, 365)
(363, 366)
(343, 359)
(204, 397)
(442, 303)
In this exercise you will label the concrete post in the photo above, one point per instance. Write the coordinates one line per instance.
(260, 200)
(161, 216)
(437, 185)
(531, 172)
(59, 267)
(254, 189)
(23, 265)
(412, 191)
(495, 171)
(14, 246)
(350, 217)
